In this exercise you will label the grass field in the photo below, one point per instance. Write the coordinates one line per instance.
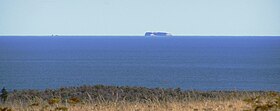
(113, 98)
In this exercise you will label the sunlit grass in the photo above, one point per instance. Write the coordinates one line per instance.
(112, 98)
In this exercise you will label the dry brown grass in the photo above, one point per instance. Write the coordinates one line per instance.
(206, 105)
(140, 99)
(259, 103)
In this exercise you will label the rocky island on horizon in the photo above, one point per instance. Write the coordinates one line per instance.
(157, 34)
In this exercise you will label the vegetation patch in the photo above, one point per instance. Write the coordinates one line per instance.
(111, 98)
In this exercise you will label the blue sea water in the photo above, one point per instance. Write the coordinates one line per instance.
(201, 63)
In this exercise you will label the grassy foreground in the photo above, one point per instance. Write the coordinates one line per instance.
(113, 98)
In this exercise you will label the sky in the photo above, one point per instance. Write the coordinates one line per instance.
(135, 17)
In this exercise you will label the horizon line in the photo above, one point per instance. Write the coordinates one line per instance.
(65, 35)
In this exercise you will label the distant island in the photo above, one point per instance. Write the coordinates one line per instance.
(157, 34)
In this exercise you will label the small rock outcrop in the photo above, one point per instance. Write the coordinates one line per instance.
(161, 34)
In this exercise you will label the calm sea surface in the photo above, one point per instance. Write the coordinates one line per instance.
(202, 63)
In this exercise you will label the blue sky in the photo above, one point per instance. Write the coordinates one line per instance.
(135, 17)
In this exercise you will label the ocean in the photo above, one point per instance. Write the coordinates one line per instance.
(190, 63)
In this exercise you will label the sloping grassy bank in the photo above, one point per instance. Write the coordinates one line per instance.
(111, 98)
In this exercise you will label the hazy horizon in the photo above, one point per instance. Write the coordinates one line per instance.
(134, 18)
(137, 35)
